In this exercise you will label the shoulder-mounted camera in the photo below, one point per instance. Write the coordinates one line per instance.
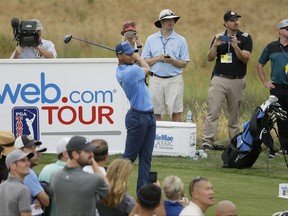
(25, 32)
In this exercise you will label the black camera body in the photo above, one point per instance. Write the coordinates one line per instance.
(25, 32)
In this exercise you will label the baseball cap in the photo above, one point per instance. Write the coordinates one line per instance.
(79, 143)
(42, 150)
(229, 15)
(282, 24)
(61, 146)
(166, 14)
(16, 155)
(7, 140)
(124, 47)
(25, 141)
(128, 26)
(39, 26)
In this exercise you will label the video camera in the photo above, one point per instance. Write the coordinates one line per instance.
(25, 32)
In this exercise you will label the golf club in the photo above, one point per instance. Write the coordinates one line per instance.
(25, 110)
(68, 37)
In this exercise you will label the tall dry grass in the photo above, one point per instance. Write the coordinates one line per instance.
(101, 21)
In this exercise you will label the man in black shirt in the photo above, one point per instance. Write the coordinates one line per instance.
(232, 50)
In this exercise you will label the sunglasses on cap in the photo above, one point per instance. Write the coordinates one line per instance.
(195, 181)
(170, 13)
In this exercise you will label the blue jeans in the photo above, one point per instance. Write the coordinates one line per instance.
(141, 130)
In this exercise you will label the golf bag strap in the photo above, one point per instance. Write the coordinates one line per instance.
(253, 122)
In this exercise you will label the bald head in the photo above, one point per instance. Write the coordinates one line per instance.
(226, 208)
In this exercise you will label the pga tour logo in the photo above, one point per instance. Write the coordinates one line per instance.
(25, 120)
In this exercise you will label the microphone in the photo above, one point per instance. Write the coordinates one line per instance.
(15, 22)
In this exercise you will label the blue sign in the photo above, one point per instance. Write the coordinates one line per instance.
(25, 120)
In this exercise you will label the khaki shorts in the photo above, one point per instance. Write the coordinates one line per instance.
(167, 94)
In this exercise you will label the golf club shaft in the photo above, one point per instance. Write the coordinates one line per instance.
(99, 45)
(28, 111)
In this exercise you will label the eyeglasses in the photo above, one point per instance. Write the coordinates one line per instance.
(126, 25)
(170, 13)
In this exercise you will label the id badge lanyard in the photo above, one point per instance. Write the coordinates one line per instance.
(164, 45)
(227, 58)
(286, 66)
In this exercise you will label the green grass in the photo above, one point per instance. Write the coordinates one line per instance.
(254, 190)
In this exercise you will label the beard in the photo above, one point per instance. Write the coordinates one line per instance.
(84, 161)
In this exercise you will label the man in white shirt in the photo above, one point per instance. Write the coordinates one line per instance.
(202, 197)
(45, 48)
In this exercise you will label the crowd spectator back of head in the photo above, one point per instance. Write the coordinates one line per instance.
(173, 189)
(118, 202)
(100, 155)
(148, 198)
(101, 150)
(226, 208)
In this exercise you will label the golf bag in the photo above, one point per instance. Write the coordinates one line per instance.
(244, 148)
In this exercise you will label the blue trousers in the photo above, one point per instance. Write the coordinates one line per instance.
(141, 130)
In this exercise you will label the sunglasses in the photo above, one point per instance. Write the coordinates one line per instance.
(195, 181)
(167, 14)
(128, 24)
(286, 28)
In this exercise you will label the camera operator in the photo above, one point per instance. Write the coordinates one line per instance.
(130, 34)
(45, 49)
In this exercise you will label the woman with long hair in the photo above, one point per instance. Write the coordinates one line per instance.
(118, 202)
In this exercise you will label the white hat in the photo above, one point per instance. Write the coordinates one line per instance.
(283, 24)
(39, 26)
(61, 146)
(166, 14)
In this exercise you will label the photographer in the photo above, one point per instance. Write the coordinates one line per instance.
(45, 48)
(231, 49)
(130, 34)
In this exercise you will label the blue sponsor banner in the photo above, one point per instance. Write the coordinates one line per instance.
(25, 120)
